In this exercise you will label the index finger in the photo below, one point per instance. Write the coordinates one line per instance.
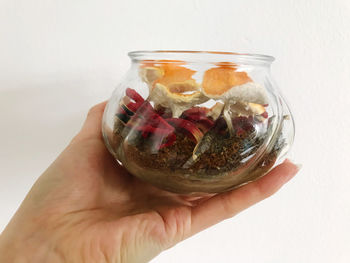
(226, 205)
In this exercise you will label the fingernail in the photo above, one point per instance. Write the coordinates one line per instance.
(292, 173)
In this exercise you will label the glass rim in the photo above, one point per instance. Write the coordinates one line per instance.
(200, 56)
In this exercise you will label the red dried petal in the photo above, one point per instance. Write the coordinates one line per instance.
(239, 131)
(189, 127)
(161, 141)
(198, 115)
(147, 129)
(201, 121)
(133, 106)
(132, 94)
(147, 121)
(145, 110)
(149, 115)
(196, 110)
(170, 141)
(265, 115)
(157, 135)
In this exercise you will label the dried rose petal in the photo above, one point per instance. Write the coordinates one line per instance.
(265, 114)
(189, 127)
(198, 115)
(146, 130)
(149, 115)
(141, 116)
(196, 110)
(170, 141)
(203, 123)
(132, 94)
(127, 107)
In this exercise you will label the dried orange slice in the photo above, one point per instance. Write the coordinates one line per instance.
(152, 70)
(225, 64)
(226, 83)
(174, 73)
(171, 85)
(166, 72)
(217, 81)
(236, 89)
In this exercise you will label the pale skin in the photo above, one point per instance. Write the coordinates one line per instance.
(87, 208)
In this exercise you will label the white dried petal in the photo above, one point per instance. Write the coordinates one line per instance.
(150, 74)
(177, 102)
(246, 109)
(248, 92)
(216, 110)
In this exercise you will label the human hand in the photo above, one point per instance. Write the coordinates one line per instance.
(87, 208)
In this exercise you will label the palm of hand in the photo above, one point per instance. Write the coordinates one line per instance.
(86, 208)
(112, 215)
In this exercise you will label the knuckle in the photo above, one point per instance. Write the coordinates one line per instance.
(97, 109)
(228, 205)
(93, 110)
(263, 191)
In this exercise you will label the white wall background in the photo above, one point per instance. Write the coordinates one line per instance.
(57, 58)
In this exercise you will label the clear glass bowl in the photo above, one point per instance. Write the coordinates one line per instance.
(197, 122)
